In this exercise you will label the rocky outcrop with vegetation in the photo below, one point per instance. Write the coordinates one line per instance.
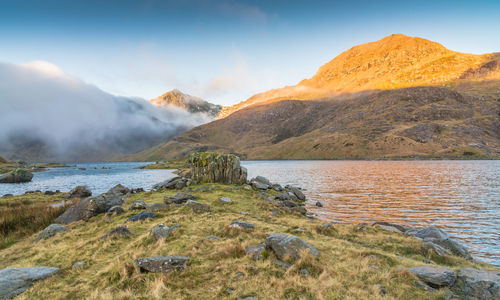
(213, 167)
(16, 176)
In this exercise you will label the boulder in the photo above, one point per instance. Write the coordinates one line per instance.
(259, 185)
(436, 277)
(428, 246)
(16, 176)
(80, 191)
(160, 232)
(242, 225)
(288, 246)
(197, 206)
(255, 251)
(120, 231)
(225, 200)
(213, 167)
(173, 183)
(120, 189)
(115, 210)
(142, 216)
(478, 284)
(179, 198)
(298, 193)
(263, 180)
(14, 281)
(319, 204)
(78, 264)
(162, 263)
(390, 226)
(50, 231)
(437, 236)
(89, 207)
(282, 196)
(139, 204)
(300, 209)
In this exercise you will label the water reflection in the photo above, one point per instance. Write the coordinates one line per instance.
(463, 197)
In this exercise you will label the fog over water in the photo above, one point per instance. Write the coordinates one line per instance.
(48, 114)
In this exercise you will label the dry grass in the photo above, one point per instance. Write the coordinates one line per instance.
(219, 268)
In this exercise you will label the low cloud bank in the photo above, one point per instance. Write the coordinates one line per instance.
(49, 115)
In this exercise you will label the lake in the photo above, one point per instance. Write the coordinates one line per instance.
(462, 197)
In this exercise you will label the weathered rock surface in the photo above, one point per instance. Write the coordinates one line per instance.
(139, 204)
(197, 206)
(436, 277)
(120, 231)
(173, 183)
(16, 176)
(162, 263)
(213, 167)
(179, 198)
(259, 185)
(225, 200)
(428, 246)
(298, 193)
(160, 232)
(255, 251)
(80, 191)
(120, 189)
(78, 264)
(478, 284)
(50, 231)
(89, 207)
(142, 216)
(242, 225)
(115, 210)
(437, 236)
(287, 246)
(14, 281)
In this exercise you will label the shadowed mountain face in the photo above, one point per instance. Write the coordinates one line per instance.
(397, 61)
(418, 121)
(190, 103)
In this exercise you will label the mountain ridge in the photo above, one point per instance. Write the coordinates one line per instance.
(190, 103)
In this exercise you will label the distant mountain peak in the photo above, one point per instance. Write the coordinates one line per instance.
(190, 103)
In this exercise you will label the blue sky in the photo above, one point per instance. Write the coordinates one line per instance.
(223, 51)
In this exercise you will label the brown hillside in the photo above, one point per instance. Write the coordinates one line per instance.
(417, 121)
(396, 61)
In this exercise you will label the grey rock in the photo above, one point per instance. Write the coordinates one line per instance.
(172, 183)
(439, 237)
(288, 203)
(428, 232)
(16, 176)
(158, 206)
(120, 231)
(89, 207)
(162, 263)
(197, 206)
(115, 210)
(255, 251)
(80, 191)
(435, 276)
(298, 193)
(300, 209)
(478, 284)
(50, 231)
(281, 263)
(242, 225)
(142, 216)
(422, 286)
(390, 226)
(78, 264)
(211, 237)
(288, 246)
(277, 187)
(259, 185)
(381, 289)
(304, 272)
(160, 232)
(179, 198)
(282, 196)
(120, 189)
(204, 188)
(248, 298)
(262, 179)
(319, 204)
(139, 204)
(428, 246)
(14, 281)
(225, 200)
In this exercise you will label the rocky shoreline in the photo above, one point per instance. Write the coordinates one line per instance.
(446, 266)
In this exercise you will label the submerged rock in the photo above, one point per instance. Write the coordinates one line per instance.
(162, 263)
(50, 231)
(287, 246)
(14, 281)
(436, 277)
(16, 176)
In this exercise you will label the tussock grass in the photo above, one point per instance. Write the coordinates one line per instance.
(219, 269)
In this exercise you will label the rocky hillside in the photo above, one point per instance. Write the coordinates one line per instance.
(396, 61)
(190, 103)
(409, 122)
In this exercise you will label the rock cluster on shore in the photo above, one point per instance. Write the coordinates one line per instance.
(213, 167)
(16, 176)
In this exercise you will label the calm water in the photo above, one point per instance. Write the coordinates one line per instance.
(462, 197)
(97, 179)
